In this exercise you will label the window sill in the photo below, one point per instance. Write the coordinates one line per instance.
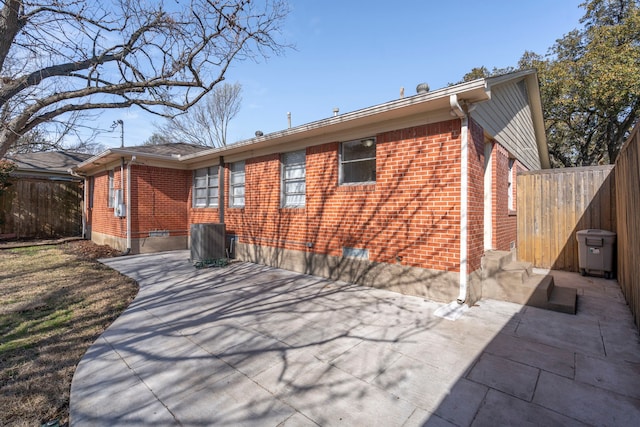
(351, 184)
(357, 186)
(513, 213)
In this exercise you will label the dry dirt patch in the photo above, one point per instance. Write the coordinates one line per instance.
(54, 303)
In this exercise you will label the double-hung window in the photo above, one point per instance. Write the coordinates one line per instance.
(205, 187)
(111, 191)
(293, 179)
(358, 161)
(236, 185)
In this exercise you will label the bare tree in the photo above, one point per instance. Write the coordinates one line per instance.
(206, 123)
(67, 56)
(60, 135)
(157, 139)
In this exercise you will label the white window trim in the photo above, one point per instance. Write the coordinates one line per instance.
(110, 188)
(284, 181)
(232, 200)
(210, 172)
(342, 162)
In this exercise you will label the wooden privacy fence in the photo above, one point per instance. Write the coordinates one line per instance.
(37, 208)
(554, 204)
(627, 176)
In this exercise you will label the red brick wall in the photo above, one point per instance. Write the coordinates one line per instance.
(410, 215)
(159, 200)
(504, 220)
(475, 197)
(101, 218)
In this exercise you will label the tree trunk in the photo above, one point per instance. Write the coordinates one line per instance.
(9, 27)
(7, 139)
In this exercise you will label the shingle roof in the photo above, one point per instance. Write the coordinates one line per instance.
(48, 161)
(179, 148)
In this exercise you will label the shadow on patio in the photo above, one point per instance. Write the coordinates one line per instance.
(253, 345)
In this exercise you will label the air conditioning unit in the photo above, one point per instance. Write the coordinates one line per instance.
(207, 242)
(119, 209)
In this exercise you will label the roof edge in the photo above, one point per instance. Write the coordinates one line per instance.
(123, 152)
(472, 87)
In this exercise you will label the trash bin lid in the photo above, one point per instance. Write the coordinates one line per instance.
(595, 232)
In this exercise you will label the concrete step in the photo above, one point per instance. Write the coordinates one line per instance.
(538, 290)
(493, 261)
(541, 286)
(518, 265)
(535, 286)
(515, 273)
(506, 279)
(563, 300)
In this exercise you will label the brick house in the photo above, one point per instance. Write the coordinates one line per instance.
(406, 195)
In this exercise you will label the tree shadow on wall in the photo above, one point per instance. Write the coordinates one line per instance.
(376, 234)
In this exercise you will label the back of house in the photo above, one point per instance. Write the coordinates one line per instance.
(406, 195)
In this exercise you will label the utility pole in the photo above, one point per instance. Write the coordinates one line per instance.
(114, 125)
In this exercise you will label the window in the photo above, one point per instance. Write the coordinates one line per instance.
(110, 192)
(293, 179)
(91, 191)
(510, 185)
(205, 187)
(236, 185)
(358, 161)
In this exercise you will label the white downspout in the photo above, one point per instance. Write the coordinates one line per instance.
(133, 159)
(459, 112)
(127, 251)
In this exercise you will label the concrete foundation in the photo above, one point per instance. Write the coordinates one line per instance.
(142, 245)
(430, 284)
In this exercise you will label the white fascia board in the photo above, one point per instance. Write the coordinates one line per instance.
(470, 92)
(112, 155)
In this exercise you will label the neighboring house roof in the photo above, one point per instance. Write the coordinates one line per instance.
(46, 164)
(518, 125)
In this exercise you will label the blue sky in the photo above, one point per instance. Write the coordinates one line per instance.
(354, 54)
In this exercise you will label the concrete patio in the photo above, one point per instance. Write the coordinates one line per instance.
(253, 345)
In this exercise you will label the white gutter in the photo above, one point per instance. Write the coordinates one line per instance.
(458, 111)
(474, 91)
(118, 152)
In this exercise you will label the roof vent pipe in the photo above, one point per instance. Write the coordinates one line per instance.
(336, 110)
(422, 88)
(289, 119)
